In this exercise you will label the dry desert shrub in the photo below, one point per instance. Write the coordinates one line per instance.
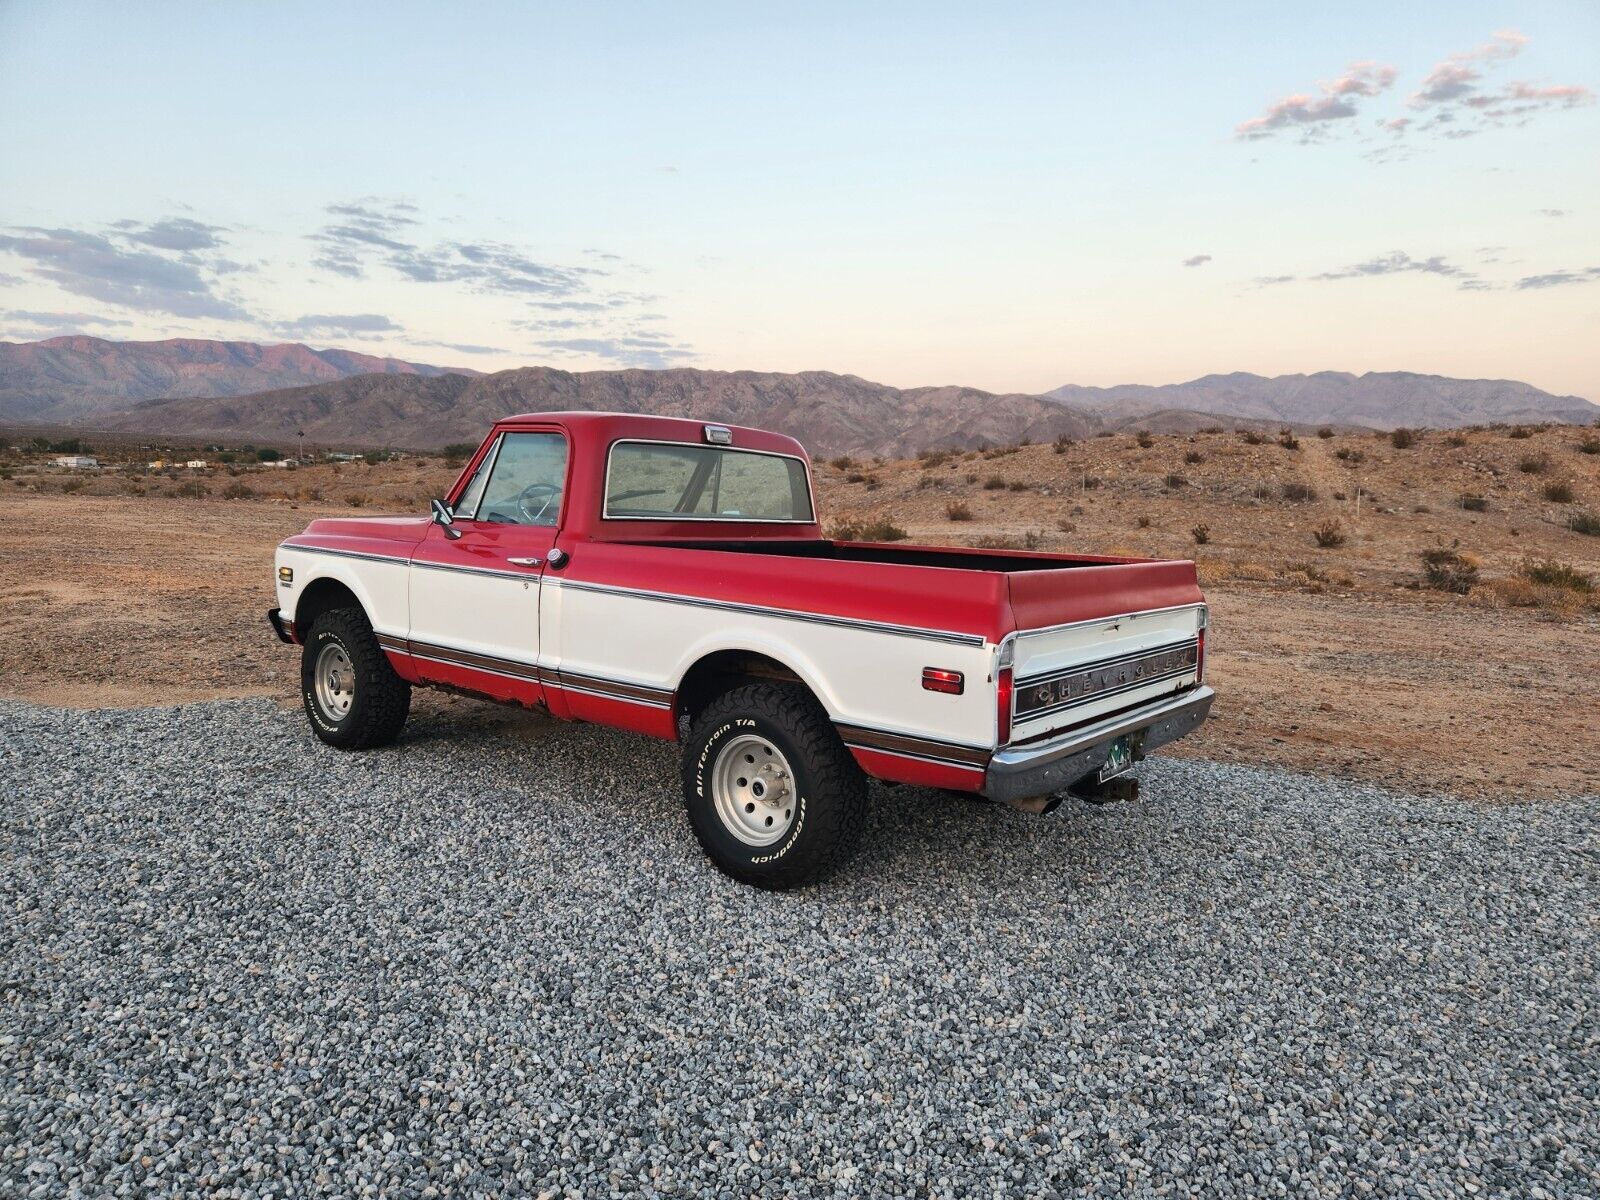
(863, 529)
(1474, 503)
(1589, 446)
(1145, 440)
(1520, 432)
(1287, 440)
(1324, 433)
(1447, 569)
(1201, 534)
(1534, 464)
(1174, 481)
(1584, 522)
(1252, 438)
(1402, 438)
(1329, 535)
(1298, 493)
(1031, 540)
(994, 483)
(1559, 492)
(238, 491)
(1194, 457)
(1552, 572)
(958, 510)
(1350, 455)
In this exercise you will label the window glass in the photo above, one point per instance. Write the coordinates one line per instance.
(468, 504)
(526, 480)
(705, 483)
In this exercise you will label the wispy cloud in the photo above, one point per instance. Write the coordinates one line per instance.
(338, 325)
(466, 347)
(1197, 260)
(1395, 262)
(94, 265)
(1558, 278)
(62, 320)
(1456, 99)
(1307, 115)
(174, 233)
(1457, 95)
(636, 350)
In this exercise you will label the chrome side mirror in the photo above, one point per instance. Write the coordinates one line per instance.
(445, 519)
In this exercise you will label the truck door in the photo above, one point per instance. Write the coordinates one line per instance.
(475, 584)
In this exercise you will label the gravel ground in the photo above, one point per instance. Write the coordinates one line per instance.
(237, 963)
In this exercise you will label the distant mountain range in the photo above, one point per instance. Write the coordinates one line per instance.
(66, 379)
(239, 389)
(831, 414)
(1376, 400)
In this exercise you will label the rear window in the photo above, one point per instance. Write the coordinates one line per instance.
(672, 481)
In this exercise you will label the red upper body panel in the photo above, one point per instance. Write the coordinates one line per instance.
(988, 593)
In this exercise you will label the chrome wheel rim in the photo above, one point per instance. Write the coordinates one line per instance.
(754, 790)
(335, 678)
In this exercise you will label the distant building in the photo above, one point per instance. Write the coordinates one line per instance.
(343, 457)
(77, 462)
(197, 464)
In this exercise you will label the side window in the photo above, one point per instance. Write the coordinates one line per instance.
(525, 481)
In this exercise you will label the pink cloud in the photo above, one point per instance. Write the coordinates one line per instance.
(1336, 102)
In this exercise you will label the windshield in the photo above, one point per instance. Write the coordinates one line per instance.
(662, 480)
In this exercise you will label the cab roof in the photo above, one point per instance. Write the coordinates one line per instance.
(608, 427)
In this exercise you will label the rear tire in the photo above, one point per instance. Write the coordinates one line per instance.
(774, 798)
(352, 696)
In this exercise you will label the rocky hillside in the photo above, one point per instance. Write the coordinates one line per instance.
(72, 378)
(831, 414)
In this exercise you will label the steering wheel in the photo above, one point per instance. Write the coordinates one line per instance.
(531, 494)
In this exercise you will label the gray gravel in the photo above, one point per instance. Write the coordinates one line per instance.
(237, 963)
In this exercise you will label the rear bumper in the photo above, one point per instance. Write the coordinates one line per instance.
(284, 629)
(1021, 772)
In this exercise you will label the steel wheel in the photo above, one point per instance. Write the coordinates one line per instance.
(335, 678)
(754, 790)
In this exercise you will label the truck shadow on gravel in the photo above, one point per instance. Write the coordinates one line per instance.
(914, 836)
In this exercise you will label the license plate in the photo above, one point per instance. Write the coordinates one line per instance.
(1118, 762)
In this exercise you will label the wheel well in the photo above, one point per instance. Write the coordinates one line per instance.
(320, 596)
(727, 669)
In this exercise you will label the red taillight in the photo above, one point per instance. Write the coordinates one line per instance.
(951, 683)
(1003, 694)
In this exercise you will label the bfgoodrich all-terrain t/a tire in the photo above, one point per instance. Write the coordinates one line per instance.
(352, 696)
(774, 798)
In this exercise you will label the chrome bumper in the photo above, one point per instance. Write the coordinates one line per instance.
(1040, 768)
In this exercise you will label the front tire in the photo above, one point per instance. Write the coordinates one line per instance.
(352, 696)
(774, 798)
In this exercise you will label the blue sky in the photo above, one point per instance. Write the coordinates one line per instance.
(1004, 196)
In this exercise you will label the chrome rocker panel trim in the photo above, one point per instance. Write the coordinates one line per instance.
(1040, 769)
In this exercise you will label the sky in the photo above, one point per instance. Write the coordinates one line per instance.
(1007, 196)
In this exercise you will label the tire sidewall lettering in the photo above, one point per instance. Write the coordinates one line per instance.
(708, 754)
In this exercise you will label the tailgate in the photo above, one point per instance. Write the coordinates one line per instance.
(1128, 634)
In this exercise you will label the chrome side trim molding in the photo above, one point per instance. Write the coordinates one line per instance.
(904, 745)
(761, 610)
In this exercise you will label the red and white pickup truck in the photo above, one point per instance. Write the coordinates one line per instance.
(670, 577)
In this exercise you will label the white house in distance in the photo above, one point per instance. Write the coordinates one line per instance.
(197, 464)
(76, 462)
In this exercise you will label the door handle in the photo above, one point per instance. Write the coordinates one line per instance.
(526, 562)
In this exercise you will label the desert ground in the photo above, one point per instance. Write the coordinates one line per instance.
(1332, 651)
